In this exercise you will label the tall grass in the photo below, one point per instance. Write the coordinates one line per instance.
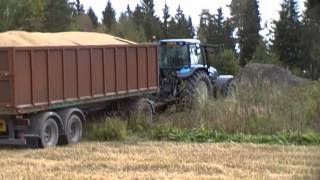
(259, 113)
(261, 108)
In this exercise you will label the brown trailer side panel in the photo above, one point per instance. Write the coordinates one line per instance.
(6, 86)
(51, 77)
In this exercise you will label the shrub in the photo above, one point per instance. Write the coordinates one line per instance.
(226, 62)
(109, 130)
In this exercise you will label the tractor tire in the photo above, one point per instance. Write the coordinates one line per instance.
(230, 90)
(197, 88)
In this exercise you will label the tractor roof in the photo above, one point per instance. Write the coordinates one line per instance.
(187, 41)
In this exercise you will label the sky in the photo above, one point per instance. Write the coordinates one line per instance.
(268, 8)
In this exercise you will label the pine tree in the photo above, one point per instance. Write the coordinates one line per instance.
(109, 16)
(93, 17)
(287, 34)
(165, 24)
(57, 16)
(246, 17)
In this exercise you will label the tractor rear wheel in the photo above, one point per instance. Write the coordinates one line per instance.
(197, 88)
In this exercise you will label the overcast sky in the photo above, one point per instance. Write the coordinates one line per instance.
(268, 8)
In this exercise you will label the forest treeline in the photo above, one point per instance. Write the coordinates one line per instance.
(295, 42)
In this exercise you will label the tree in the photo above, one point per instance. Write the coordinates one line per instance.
(138, 15)
(204, 29)
(221, 31)
(57, 16)
(79, 8)
(151, 23)
(93, 17)
(287, 35)
(311, 39)
(109, 16)
(246, 17)
(181, 24)
(21, 15)
(215, 29)
(128, 11)
(190, 28)
(165, 25)
(127, 29)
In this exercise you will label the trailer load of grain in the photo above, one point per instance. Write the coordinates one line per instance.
(24, 39)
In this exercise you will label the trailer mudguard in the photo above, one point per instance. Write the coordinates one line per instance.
(37, 120)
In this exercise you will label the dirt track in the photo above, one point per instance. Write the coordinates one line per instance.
(162, 161)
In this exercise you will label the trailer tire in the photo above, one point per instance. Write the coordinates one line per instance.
(197, 88)
(49, 133)
(74, 129)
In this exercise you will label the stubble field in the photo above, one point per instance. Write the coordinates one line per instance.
(162, 160)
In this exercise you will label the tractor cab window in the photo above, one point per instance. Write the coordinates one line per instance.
(174, 55)
(195, 54)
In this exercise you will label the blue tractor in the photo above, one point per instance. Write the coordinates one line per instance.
(185, 73)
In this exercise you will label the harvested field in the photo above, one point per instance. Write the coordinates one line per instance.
(22, 39)
(162, 161)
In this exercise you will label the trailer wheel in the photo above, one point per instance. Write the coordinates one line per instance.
(74, 129)
(49, 134)
(197, 88)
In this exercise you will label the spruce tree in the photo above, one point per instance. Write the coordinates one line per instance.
(138, 16)
(287, 35)
(151, 23)
(93, 17)
(79, 8)
(172, 28)
(190, 28)
(109, 16)
(205, 25)
(128, 11)
(311, 39)
(216, 29)
(57, 16)
(165, 24)
(181, 24)
(246, 18)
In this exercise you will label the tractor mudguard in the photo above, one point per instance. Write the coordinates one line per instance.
(187, 71)
(223, 81)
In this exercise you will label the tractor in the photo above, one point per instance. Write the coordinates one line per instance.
(186, 75)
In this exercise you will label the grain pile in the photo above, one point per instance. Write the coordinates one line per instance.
(23, 39)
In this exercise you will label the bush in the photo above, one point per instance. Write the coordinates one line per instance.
(112, 129)
(225, 62)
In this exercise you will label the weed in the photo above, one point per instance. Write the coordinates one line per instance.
(109, 130)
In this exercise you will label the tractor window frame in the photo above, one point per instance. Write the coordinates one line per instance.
(196, 54)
